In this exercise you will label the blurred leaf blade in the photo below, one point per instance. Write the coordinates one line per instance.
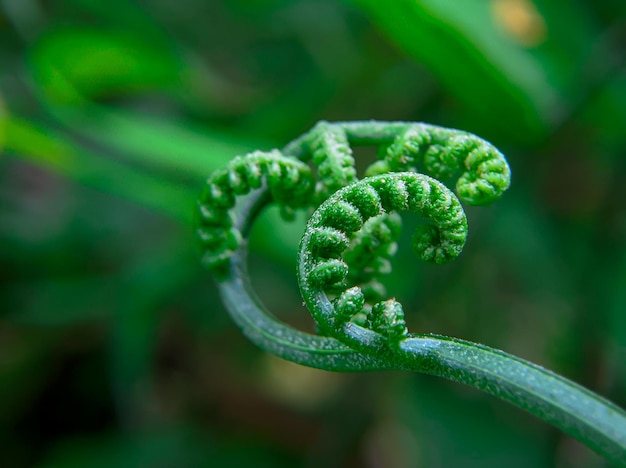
(76, 63)
(177, 148)
(480, 56)
(45, 149)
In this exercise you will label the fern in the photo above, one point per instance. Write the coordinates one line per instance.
(346, 248)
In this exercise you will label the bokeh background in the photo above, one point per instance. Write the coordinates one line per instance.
(114, 347)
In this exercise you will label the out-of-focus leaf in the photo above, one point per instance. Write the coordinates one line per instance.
(72, 64)
(42, 147)
(179, 148)
(490, 55)
(3, 119)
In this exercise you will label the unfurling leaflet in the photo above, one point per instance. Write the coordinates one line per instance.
(345, 253)
(333, 156)
(290, 184)
(323, 270)
(485, 174)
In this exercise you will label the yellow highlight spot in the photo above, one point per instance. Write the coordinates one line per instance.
(520, 20)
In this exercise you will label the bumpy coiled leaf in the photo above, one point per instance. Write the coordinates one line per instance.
(484, 172)
(290, 183)
(324, 270)
(332, 155)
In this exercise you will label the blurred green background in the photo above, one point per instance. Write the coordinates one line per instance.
(114, 347)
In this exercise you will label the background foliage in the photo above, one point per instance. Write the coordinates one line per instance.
(114, 345)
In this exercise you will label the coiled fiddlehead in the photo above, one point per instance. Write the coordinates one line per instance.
(290, 183)
(443, 153)
(322, 269)
(346, 248)
(332, 154)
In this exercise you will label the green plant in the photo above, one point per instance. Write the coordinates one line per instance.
(346, 249)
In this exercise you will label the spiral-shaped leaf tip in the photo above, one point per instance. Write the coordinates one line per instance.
(333, 157)
(290, 183)
(323, 266)
(484, 172)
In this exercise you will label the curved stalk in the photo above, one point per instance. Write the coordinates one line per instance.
(362, 334)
